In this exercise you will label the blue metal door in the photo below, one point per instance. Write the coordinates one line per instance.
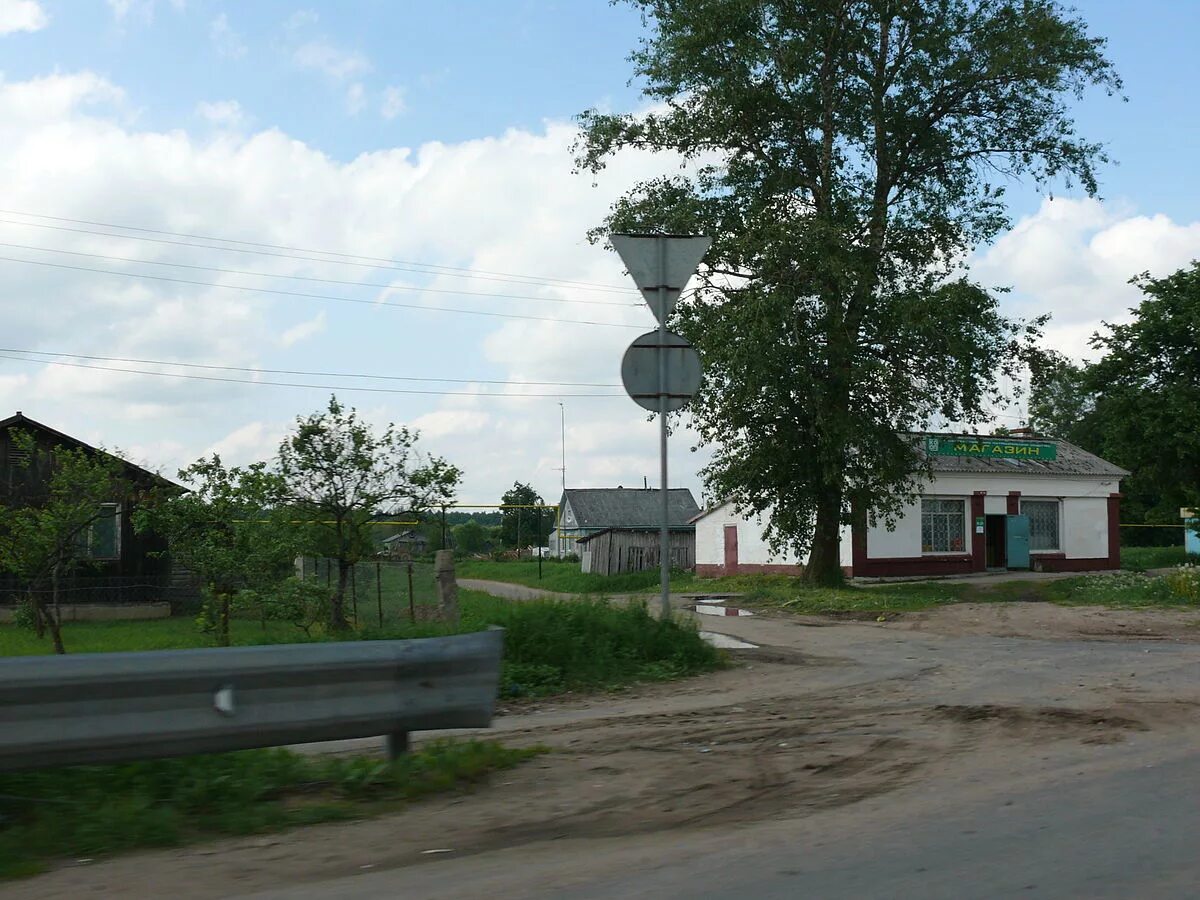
(1016, 541)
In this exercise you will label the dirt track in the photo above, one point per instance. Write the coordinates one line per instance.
(819, 719)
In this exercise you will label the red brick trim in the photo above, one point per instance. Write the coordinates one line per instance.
(1014, 503)
(711, 570)
(1114, 531)
(978, 541)
(858, 537)
(959, 564)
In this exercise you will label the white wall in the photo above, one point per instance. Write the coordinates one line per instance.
(752, 549)
(904, 541)
(1083, 531)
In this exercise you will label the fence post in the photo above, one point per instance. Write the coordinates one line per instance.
(412, 609)
(447, 586)
(379, 589)
(354, 592)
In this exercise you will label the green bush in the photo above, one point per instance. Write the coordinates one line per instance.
(1184, 583)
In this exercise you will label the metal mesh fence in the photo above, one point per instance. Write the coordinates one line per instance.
(381, 591)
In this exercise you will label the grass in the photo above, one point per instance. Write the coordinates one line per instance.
(550, 646)
(1139, 559)
(88, 811)
(559, 575)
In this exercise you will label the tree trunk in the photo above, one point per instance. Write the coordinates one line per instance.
(337, 605)
(39, 626)
(54, 615)
(223, 625)
(824, 562)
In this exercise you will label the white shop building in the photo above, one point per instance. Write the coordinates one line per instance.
(993, 503)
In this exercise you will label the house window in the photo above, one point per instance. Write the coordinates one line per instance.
(1043, 523)
(103, 540)
(943, 524)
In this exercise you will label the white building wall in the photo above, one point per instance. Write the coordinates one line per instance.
(753, 550)
(905, 540)
(1084, 528)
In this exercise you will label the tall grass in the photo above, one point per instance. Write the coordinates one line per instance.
(1139, 559)
(85, 811)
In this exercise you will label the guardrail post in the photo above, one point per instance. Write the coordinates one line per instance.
(397, 745)
(447, 586)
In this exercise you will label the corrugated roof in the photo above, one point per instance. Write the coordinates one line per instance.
(1069, 459)
(629, 507)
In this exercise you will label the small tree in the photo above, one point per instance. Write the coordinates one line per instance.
(523, 526)
(51, 532)
(229, 531)
(470, 537)
(335, 472)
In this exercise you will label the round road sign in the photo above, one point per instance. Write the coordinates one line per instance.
(639, 370)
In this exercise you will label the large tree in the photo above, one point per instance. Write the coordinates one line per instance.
(336, 472)
(520, 524)
(846, 155)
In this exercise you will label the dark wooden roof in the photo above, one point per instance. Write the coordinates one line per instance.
(629, 507)
(20, 420)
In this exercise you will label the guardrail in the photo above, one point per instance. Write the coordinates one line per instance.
(115, 707)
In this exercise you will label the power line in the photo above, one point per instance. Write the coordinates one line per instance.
(370, 284)
(325, 387)
(283, 293)
(368, 262)
(165, 362)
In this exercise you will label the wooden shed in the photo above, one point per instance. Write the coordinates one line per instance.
(616, 550)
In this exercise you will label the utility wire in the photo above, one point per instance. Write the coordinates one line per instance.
(283, 293)
(326, 387)
(368, 284)
(164, 362)
(341, 258)
(207, 237)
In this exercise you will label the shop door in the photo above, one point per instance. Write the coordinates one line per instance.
(996, 558)
(1016, 541)
(731, 550)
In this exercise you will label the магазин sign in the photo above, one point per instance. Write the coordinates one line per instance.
(990, 448)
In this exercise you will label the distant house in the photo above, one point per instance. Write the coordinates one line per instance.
(1191, 530)
(406, 545)
(588, 511)
(992, 503)
(122, 566)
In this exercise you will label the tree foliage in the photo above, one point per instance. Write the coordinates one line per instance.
(524, 527)
(336, 472)
(845, 155)
(1139, 405)
(46, 536)
(230, 531)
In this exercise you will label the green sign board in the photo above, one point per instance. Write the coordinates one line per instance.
(990, 448)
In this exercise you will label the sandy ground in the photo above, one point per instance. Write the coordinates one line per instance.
(824, 717)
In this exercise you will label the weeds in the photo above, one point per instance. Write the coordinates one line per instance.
(86, 811)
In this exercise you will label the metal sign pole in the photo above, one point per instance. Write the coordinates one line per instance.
(664, 537)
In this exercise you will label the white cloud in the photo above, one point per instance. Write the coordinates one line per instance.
(1074, 259)
(300, 19)
(303, 330)
(324, 57)
(22, 15)
(356, 98)
(225, 113)
(394, 102)
(226, 41)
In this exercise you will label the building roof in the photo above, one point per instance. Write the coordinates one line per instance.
(629, 507)
(648, 529)
(20, 420)
(1069, 459)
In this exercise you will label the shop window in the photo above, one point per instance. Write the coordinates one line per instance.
(943, 525)
(1043, 523)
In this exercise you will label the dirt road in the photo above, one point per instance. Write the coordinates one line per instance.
(830, 727)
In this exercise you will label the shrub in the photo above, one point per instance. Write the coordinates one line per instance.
(1184, 583)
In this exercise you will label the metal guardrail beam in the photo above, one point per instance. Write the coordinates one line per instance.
(114, 707)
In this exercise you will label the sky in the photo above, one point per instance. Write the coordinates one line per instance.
(402, 159)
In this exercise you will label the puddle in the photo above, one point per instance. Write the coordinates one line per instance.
(725, 642)
(711, 609)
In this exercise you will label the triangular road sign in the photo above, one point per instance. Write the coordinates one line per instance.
(661, 265)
